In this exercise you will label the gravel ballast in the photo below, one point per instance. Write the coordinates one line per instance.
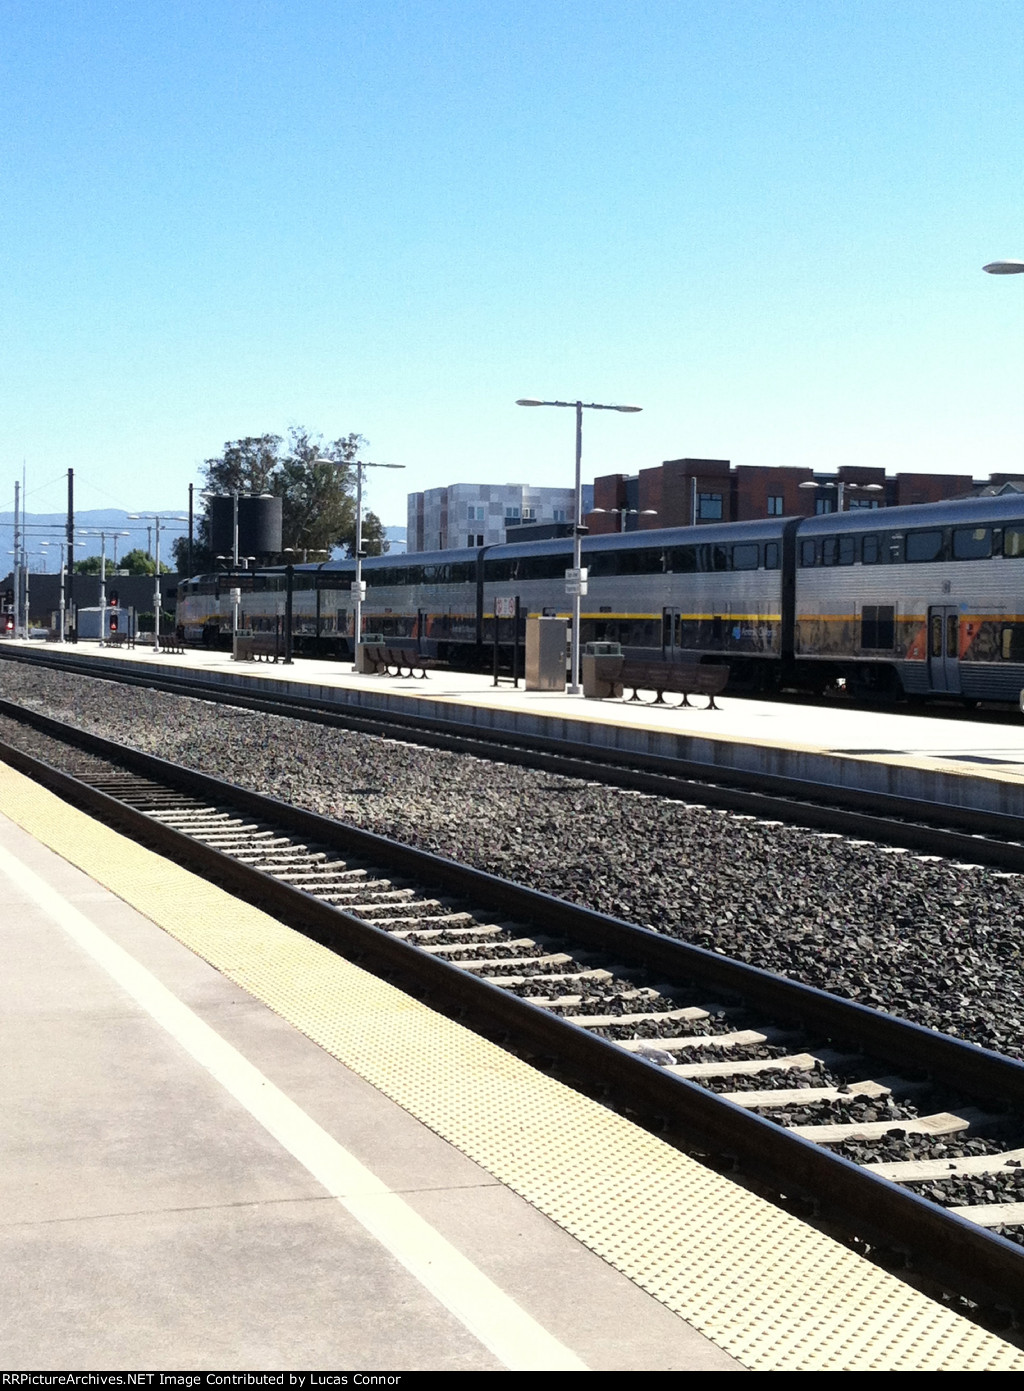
(935, 942)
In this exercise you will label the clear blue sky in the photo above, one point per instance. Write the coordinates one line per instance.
(764, 221)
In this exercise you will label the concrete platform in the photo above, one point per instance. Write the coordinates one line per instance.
(226, 1148)
(149, 1219)
(956, 762)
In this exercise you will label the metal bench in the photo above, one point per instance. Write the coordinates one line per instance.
(389, 660)
(258, 647)
(681, 678)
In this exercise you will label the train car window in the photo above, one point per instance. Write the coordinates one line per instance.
(1011, 643)
(923, 546)
(972, 542)
(714, 558)
(602, 563)
(682, 560)
(1013, 540)
(810, 554)
(838, 550)
(498, 571)
(544, 567)
(746, 557)
(397, 576)
(878, 627)
(873, 550)
(645, 562)
(461, 572)
(772, 555)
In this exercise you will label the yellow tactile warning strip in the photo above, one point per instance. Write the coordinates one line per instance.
(775, 1294)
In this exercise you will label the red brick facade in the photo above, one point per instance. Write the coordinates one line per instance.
(681, 491)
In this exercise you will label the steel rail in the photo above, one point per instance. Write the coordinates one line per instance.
(954, 1252)
(977, 837)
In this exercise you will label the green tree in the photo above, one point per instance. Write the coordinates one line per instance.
(246, 467)
(315, 480)
(138, 562)
(375, 542)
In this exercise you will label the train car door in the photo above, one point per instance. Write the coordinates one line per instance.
(944, 649)
(670, 633)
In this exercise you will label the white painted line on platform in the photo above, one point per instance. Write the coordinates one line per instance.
(506, 1330)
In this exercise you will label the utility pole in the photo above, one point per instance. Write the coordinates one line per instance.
(70, 596)
(17, 559)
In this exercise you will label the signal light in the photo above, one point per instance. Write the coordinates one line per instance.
(113, 599)
(113, 622)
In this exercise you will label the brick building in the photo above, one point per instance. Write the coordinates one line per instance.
(684, 492)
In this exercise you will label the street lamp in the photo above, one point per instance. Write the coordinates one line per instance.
(360, 590)
(156, 518)
(841, 485)
(103, 572)
(63, 606)
(575, 579)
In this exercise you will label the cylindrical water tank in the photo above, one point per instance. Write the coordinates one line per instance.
(259, 525)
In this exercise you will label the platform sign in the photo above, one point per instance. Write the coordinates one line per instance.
(576, 581)
(504, 608)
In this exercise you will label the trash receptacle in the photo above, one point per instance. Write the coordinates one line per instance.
(602, 670)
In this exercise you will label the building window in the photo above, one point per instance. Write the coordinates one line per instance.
(823, 505)
(867, 504)
(529, 514)
(709, 507)
(512, 514)
(775, 506)
(475, 539)
(476, 513)
(559, 515)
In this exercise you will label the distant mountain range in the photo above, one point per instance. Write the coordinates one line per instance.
(51, 527)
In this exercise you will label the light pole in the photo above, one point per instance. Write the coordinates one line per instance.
(62, 602)
(623, 512)
(360, 589)
(575, 579)
(103, 573)
(156, 518)
(841, 486)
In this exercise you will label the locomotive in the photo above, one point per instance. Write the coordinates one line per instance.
(920, 601)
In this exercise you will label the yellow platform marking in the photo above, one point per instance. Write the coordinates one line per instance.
(775, 1294)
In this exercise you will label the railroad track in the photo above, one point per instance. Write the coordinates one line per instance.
(819, 1098)
(959, 833)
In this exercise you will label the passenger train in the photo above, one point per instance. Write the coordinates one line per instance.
(918, 601)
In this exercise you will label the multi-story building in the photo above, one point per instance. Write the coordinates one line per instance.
(685, 492)
(678, 492)
(478, 514)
